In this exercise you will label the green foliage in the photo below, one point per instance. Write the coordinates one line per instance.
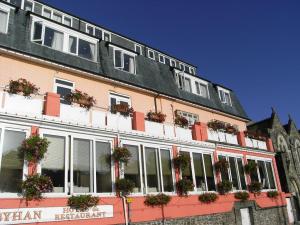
(33, 149)
(251, 167)
(35, 185)
(81, 98)
(242, 195)
(22, 86)
(182, 161)
(222, 165)
(224, 187)
(184, 186)
(124, 186)
(272, 194)
(121, 154)
(208, 197)
(82, 202)
(157, 200)
(255, 188)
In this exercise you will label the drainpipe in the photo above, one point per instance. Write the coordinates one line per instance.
(125, 209)
(155, 102)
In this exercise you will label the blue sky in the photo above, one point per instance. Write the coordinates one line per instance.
(252, 47)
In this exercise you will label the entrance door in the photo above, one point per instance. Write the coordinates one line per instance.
(245, 214)
(290, 211)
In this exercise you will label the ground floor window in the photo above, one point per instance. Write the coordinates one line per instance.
(200, 171)
(235, 172)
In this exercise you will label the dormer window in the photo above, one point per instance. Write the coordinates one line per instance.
(161, 59)
(202, 89)
(186, 69)
(4, 15)
(57, 17)
(173, 63)
(28, 5)
(183, 82)
(151, 54)
(138, 49)
(124, 60)
(224, 96)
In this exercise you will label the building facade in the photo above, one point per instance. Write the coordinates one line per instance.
(62, 54)
(286, 140)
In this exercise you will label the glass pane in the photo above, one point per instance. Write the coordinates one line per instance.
(271, 175)
(16, 2)
(37, 34)
(63, 82)
(81, 166)
(186, 69)
(118, 59)
(67, 21)
(167, 61)
(3, 21)
(53, 165)
(90, 30)
(151, 169)
(86, 49)
(57, 17)
(263, 174)
(151, 54)
(242, 174)
(132, 171)
(11, 171)
(103, 167)
(106, 37)
(197, 88)
(113, 102)
(224, 173)
(47, 13)
(187, 84)
(128, 63)
(234, 176)
(254, 175)
(73, 45)
(210, 177)
(63, 93)
(53, 39)
(204, 90)
(166, 170)
(98, 33)
(227, 98)
(187, 172)
(28, 6)
(199, 172)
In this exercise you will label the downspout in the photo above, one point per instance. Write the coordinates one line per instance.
(155, 102)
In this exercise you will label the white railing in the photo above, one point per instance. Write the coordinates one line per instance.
(220, 136)
(183, 133)
(119, 122)
(154, 129)
(253, 143)
(20, 105)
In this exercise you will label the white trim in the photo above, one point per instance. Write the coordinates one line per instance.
(123, 51)
(163, 57)
(148, 55)
(6, 9)
(141, 49)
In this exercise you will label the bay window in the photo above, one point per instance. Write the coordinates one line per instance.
(200, 171)
(124, 60)
(264, 173)
(62, 39)
(235, 173)
(11, 167)
(4, 15)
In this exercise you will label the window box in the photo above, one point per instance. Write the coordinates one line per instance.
(123, 109)
(217, 125)
(156, 117)
(81, 98)
(22, 86)
(181, 121)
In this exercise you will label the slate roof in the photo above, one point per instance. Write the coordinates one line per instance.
(151, 75)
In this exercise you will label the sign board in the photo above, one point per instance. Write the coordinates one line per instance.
(47, 214)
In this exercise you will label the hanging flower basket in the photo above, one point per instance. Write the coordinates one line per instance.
(22, 86)
(221, 165)
(33, 149)
(255, 188)
(35, 185)
(123, 109)
(156, 117)
(124, 186)
(82, 202)
(184, 186)
(121, 154)
(157, 200)
(182, 161)
(272, 194)
(81, 98)
(242, 195)
(208, 198)
(181, 121)
(257, 135)
(224, 187)
(250, 167)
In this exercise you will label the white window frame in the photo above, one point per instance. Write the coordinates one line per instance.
(86, 29)
(193, 115)
(123, 51)
(103, 34)
(220, 90)
(199, 83)
(63, 15)
(255, 158)
(55, 85)
(235, 156)
(140, 47)
(181, 67)
(191, 151)
(149, 50)
(172, 61)
(6, 9)
(18, 128)
(67, 32)
(23, 5)
(192, 70)
(163, 57)
(118, 97)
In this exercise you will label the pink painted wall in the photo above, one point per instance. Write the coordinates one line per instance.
(43, 76)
